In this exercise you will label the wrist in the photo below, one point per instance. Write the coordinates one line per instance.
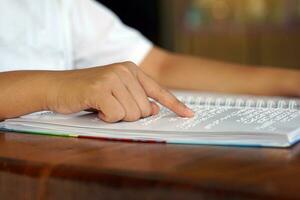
(51, 82)
(61, 87)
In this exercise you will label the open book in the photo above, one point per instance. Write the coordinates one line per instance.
(219, 120)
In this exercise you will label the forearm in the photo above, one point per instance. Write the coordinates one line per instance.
(119, 92)
(186, 72)
(23, 92)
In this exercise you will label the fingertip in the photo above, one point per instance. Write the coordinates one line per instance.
(185, 111)
(101, 116)
(189, 113)
(155, 108)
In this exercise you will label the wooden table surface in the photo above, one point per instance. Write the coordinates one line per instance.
(45, 167)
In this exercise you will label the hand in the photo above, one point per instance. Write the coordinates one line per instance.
(118, 92)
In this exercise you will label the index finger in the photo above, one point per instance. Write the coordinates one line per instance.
(164, 97)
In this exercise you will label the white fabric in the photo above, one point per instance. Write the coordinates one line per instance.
(64, 34)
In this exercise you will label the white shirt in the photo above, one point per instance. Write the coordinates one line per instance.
(63, 35)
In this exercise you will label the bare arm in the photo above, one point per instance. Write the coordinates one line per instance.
(23, 92)
(187, 72)
(119, 92)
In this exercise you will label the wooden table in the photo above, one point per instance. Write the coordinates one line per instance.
(45, 167)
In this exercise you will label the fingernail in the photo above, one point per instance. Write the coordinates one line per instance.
(189, 112)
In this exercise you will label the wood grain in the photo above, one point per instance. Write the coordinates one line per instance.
(45, 167)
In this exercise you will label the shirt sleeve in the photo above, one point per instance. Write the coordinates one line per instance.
(100, 38)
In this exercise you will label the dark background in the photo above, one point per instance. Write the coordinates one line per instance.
(142, 15)
(274, 40)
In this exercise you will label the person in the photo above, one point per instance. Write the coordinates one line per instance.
(72, 55)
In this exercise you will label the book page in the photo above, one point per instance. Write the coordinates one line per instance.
(207, 119)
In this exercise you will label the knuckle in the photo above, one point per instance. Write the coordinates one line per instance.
(132, 67)
(158, 92)
(104, 83)
(161, 91)
(174, 103)
(152, 91)
(132, 116)
(110, 77)
(93, 87)
(122, 68)
(129, 64)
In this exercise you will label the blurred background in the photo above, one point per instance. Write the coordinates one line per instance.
(260, 32)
